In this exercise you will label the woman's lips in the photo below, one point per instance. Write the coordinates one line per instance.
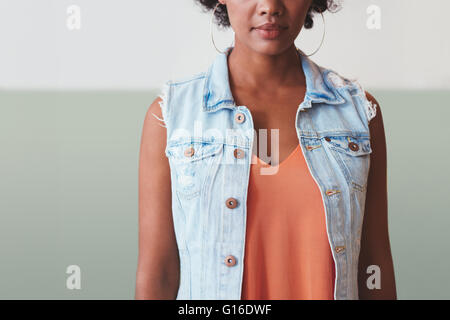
(269, 34)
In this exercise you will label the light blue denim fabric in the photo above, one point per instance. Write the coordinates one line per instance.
(199, 114)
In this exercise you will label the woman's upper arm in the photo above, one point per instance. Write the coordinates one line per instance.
(375, 244)
(158, 260)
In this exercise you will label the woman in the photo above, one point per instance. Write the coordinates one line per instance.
(216, 220)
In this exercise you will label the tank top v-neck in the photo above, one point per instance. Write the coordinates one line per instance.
(287, 252)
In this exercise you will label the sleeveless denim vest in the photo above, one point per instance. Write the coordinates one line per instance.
(209, 144)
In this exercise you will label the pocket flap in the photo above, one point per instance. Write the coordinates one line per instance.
(354, 146)
(192, 151)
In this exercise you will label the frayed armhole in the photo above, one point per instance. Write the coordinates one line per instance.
(163, 104)
(370, 108)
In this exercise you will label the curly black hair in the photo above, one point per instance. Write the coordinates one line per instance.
(317, 6)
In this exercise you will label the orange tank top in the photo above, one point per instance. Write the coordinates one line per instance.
(287, 252)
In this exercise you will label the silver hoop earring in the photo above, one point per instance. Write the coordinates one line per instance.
(211, 29)
(323, 37)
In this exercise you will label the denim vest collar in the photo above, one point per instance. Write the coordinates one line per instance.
(217, 93)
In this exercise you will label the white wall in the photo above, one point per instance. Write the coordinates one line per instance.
(138, 44)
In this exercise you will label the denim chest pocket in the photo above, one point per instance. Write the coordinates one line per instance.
(353, 156)
(192, 163)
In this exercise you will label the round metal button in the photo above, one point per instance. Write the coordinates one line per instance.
(189, 152)
(230, 260)
(239, 153)
(231, 203)
(353, 146)
(328, 139)
(239, 117)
